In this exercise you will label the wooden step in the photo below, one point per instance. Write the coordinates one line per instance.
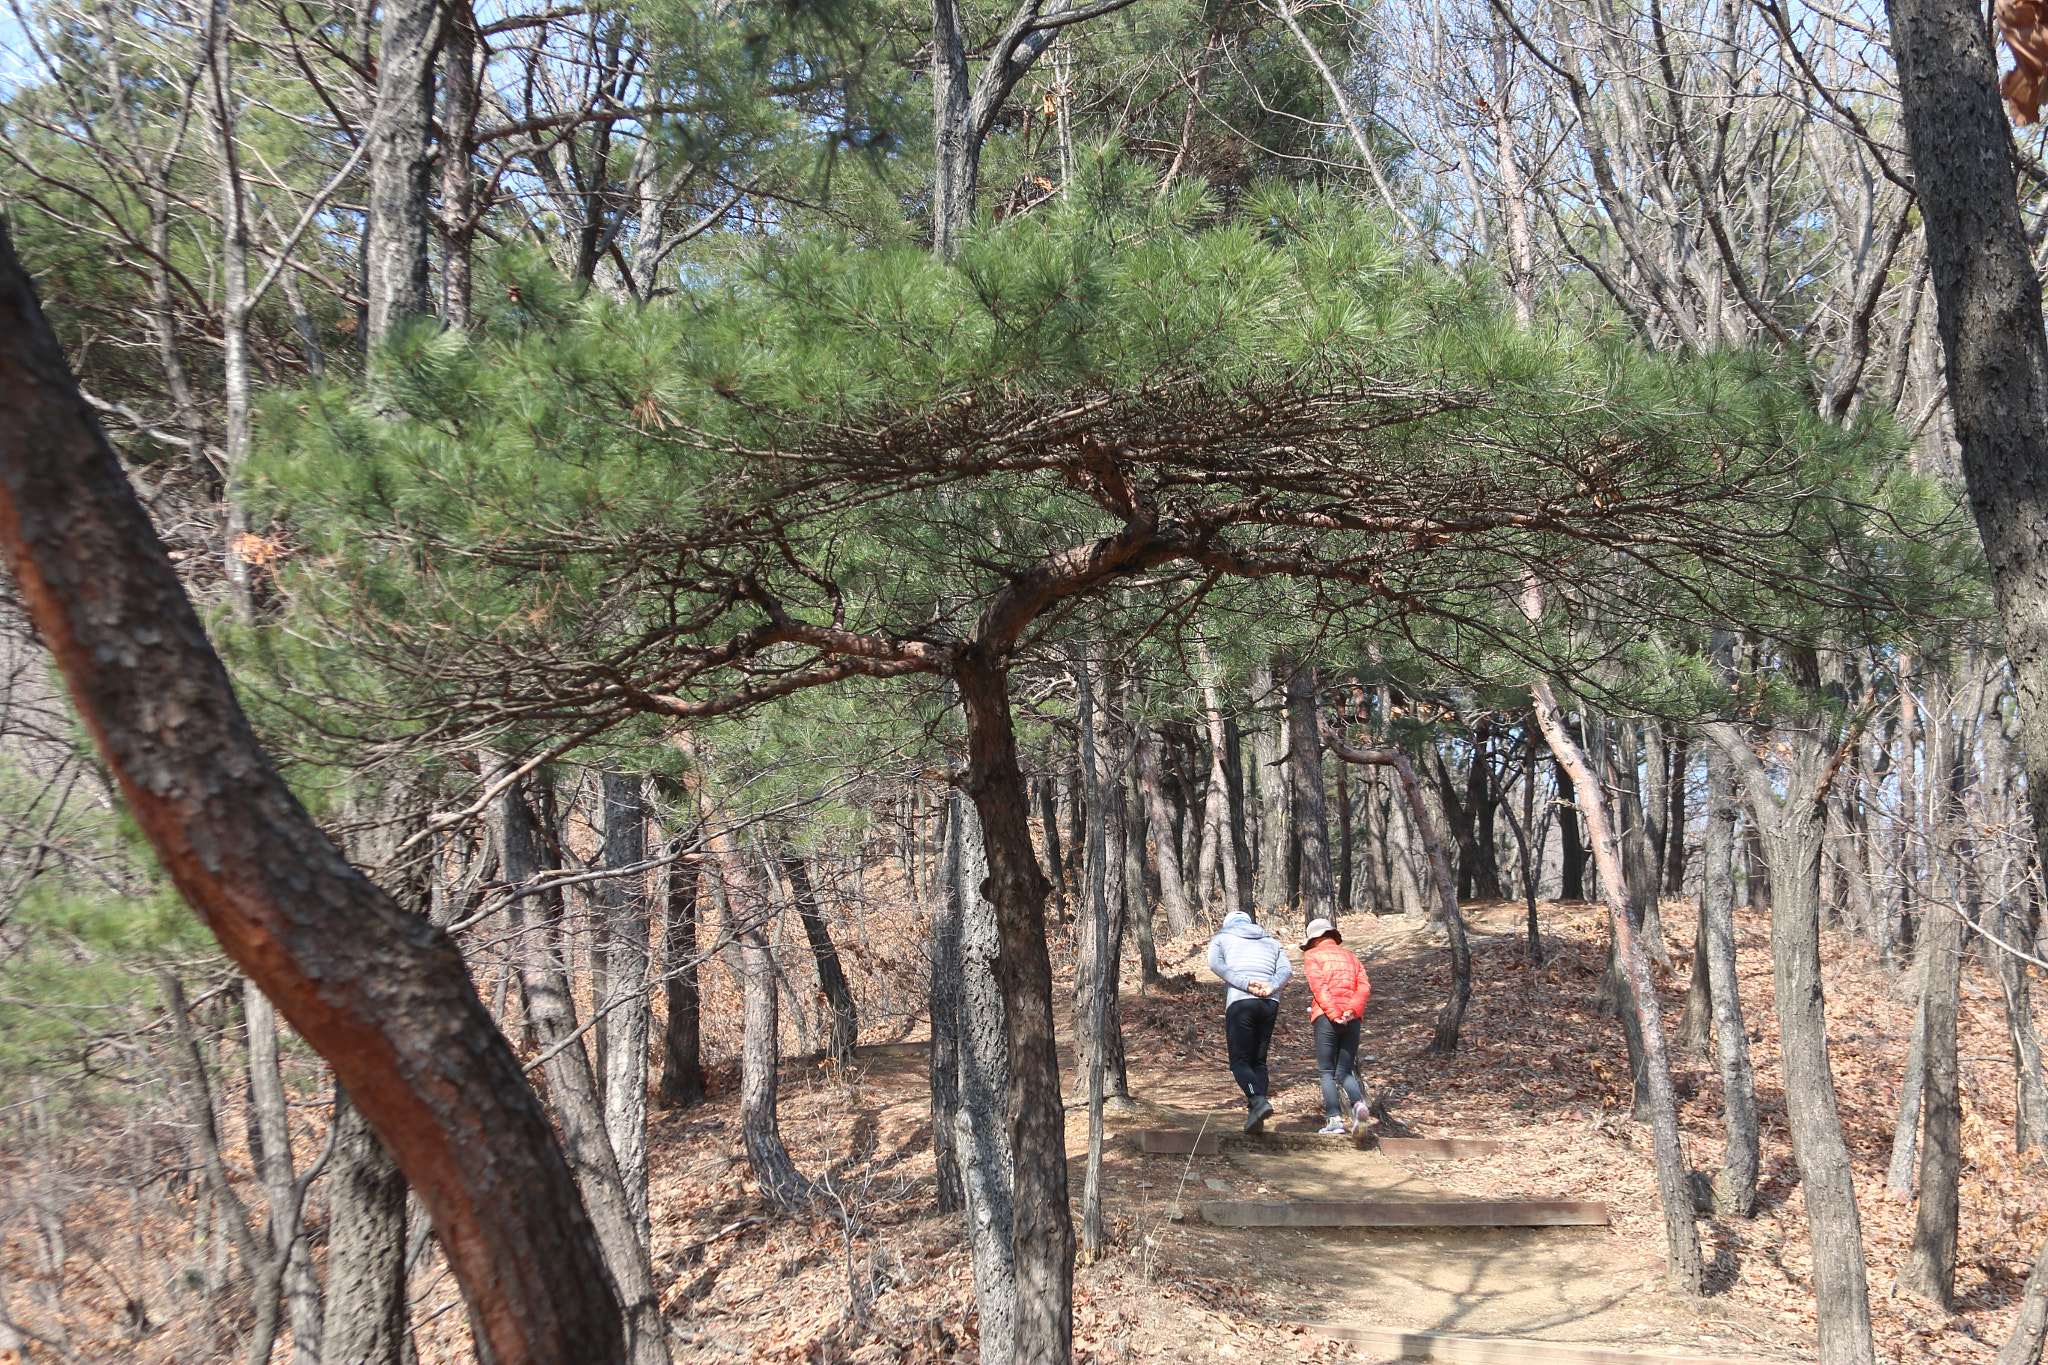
(1179, 1141)
(1432, 1213)
(1439, 1149)
(1393, 1343)
(1182, 1141)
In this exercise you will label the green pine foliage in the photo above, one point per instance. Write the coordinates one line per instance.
(584, 495)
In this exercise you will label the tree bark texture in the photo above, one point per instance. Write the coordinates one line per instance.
(1173, 897)
(1571, 849)
(1269, 751)
(1311, 817)
(981, 1124)
(365, 1321)
(401, 163)
(1098, 968)
(2030, 1099)
(629, 1017)
(381, 994)
(845, 1031)
(1793, 827)
(1735, 1186)
(1988, 311)
(2030, 1327)
(760, 1059)
(1931, 1269)
(1140, 903)
(1451, 1016)
(1683, 1267)
(682, 1058)
(273, 1154)
(944, 1057)
(536, 926)
(1905, 1159)
(1042, 1236)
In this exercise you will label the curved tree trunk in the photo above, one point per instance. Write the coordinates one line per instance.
(382, 995)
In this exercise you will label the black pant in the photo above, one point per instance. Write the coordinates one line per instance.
(1337, 1059)
(1248, 1028)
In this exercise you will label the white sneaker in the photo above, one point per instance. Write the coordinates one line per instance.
(1334, 1128)
(1361, 1117)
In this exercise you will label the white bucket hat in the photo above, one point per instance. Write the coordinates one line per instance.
(1317, 928)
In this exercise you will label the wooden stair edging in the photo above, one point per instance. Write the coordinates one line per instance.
(1420, 1213)
(1183, 1142)
(1457, 1350)
(1440, 1149)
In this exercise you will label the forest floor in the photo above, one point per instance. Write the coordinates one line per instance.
(1536, 1070)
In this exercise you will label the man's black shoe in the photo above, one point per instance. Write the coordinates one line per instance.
(1261, 1111)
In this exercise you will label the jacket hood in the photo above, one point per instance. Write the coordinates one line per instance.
(1238, 923)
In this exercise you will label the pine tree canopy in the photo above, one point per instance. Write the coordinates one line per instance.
(822, 465)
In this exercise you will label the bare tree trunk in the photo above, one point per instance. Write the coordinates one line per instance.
(1305, 767)
(1988, 310)
(1042, 1242)
(273, 1155)
(1268, 750)
(1794, 826)
(1683, 1267)
(1639, 853)
(365, 1322)
(1931, 1269)
(463, 100)
(536, 924)
(628, 1018)
(1344, 868)
(1049, 817)
(760, 1059)
(944, 1057)
(845, 1033)
(2030, 1327)
(1674, 824)
(401, 164)
(1139, 900)
(1097, 971)
(1452, 1015)
(1899, 1175)
(1239, 813)
(1091, 1014)
(1735, 1186)
(1180, 921)
(682, 1060)
(2030, 1098)
(981, 1132)
(1571, 851)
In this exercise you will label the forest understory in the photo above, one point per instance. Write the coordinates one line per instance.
(872, 1274)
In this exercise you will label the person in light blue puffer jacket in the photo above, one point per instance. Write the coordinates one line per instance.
(1254, 965)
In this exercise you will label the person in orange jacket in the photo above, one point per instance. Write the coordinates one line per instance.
(1338, 989)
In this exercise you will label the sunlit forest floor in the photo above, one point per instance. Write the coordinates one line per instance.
(1537, 1070)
